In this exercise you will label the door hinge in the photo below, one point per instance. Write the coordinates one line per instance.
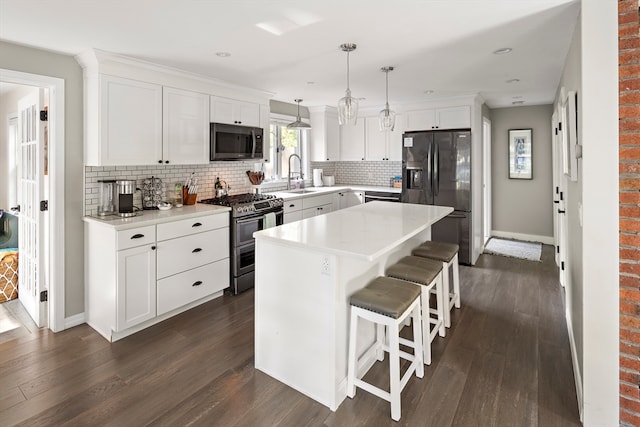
(44, 296)
(562, 265)
(44, 205)
(44, 115)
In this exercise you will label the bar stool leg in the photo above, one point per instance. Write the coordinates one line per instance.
(426, 324)
(447, 292)
(394, 371)
(418, 344)
(351, 368)
(456, 280)
(442, 310)
(380, 341)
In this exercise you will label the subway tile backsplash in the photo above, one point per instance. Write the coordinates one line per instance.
(234, 173)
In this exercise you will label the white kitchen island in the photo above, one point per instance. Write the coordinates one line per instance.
(305, 273)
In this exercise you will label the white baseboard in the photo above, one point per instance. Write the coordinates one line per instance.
(547, 240)
(75, 320)
(576, 368)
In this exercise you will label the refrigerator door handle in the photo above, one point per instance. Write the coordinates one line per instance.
(428, 176)
(436, 169)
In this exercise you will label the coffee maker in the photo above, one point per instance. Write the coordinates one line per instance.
(125, 189)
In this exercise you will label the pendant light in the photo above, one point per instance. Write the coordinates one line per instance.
(348, 106)
(387, 117)
(298, 124)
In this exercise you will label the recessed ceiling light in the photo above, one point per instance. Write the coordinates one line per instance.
(428, 92)
(502, 51)
(517, 102)
(311, 83)
(223, 54)
(513, 80)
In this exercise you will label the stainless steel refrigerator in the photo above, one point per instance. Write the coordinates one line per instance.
(436, 170)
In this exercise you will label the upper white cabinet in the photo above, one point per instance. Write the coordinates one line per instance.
(129, 131)
(325, 136)
(439, 118)
(383, 145)
(185, 127)
(352, 141)
(235, 112)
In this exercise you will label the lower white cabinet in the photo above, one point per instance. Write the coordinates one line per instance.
(350, 198)
(140, 276)
(317, 210)
(136, 286)
(292, 210)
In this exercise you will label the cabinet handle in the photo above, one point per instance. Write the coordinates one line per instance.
(196, 250)
(327, 158)
(197, 224)
(153, 248)
(198, 283)
(137, 236)
(292, 205)
(159, 161)
(166, 161)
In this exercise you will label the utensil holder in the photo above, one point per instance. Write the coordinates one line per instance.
(188, 199)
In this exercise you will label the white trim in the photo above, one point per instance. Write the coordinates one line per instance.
(576, 367)
(75, 320)
(547, 240)
(56, 188)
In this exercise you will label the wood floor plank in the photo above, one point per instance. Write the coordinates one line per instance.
(504, 361)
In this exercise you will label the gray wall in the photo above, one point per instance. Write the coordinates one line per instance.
(522, 206)
(287, 109)
(572, 81)
(36, 61)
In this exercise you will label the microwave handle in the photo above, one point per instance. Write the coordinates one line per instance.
(253, 141)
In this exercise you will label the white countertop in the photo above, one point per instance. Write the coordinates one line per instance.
(150, 217)
(311, 191)
(365, 231)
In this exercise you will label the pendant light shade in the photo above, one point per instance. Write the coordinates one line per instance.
(387, 117)
(298, 124)
(348, 105)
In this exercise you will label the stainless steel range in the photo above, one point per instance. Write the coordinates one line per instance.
(249, 213)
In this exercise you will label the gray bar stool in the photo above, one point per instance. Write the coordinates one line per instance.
(428, 274)
(447, 253)
(387, 302)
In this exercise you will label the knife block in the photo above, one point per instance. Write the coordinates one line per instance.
(188, 199)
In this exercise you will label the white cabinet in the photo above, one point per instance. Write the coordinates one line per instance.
(317, 205)
(140, 276)
(350, 198)
(439, 118)
(292, 210)
(136, 286)
(317, 211)
(127, 129)
(352, 141)
(383, 145)
(325, 135)
(235, 112)
(185, 127)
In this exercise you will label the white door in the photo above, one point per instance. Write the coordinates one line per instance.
(560, 196)
(486, 179)
(31, 273)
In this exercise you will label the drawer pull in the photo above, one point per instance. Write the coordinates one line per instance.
(196, 250)
(153, 248)
(198, 283)
(197, 224)
(292, 205)
(137, 236)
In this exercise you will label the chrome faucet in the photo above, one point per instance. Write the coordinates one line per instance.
(294, 173)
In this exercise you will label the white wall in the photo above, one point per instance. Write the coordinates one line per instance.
(36, 61)
(592, 289)
(521, 207)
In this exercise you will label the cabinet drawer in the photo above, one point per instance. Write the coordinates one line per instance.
(136, 237)
(292, 206)
(183, 288)
(312, 202)
(185, 227)
(185, 253)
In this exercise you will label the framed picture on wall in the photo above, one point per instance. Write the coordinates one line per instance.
(520, 154)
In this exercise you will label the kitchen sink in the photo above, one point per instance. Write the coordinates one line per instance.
(299, 191)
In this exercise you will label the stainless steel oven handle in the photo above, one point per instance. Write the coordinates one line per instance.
(394, 199)
(253, 218)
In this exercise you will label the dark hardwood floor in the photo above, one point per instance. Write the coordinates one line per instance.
(505, 362)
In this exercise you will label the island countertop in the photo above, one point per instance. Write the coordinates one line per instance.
(365, 231)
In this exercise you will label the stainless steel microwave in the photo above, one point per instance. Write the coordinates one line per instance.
(233, 142)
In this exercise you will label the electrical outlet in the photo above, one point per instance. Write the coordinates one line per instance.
(325, 268)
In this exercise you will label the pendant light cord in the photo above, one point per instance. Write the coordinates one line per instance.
(348, 71)
(386, 104)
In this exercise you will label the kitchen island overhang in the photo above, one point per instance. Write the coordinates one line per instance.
(305, 273)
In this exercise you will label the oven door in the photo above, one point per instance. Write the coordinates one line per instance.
(244, 228)
(244, 260)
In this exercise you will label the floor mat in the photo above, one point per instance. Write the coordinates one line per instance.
(514, 249)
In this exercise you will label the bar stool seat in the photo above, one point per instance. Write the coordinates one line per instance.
(428, 274)
(387, 302)
(447, 253)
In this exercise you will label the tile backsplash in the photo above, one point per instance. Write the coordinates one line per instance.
(234, 173)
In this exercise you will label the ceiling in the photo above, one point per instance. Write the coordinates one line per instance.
(291, 48)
